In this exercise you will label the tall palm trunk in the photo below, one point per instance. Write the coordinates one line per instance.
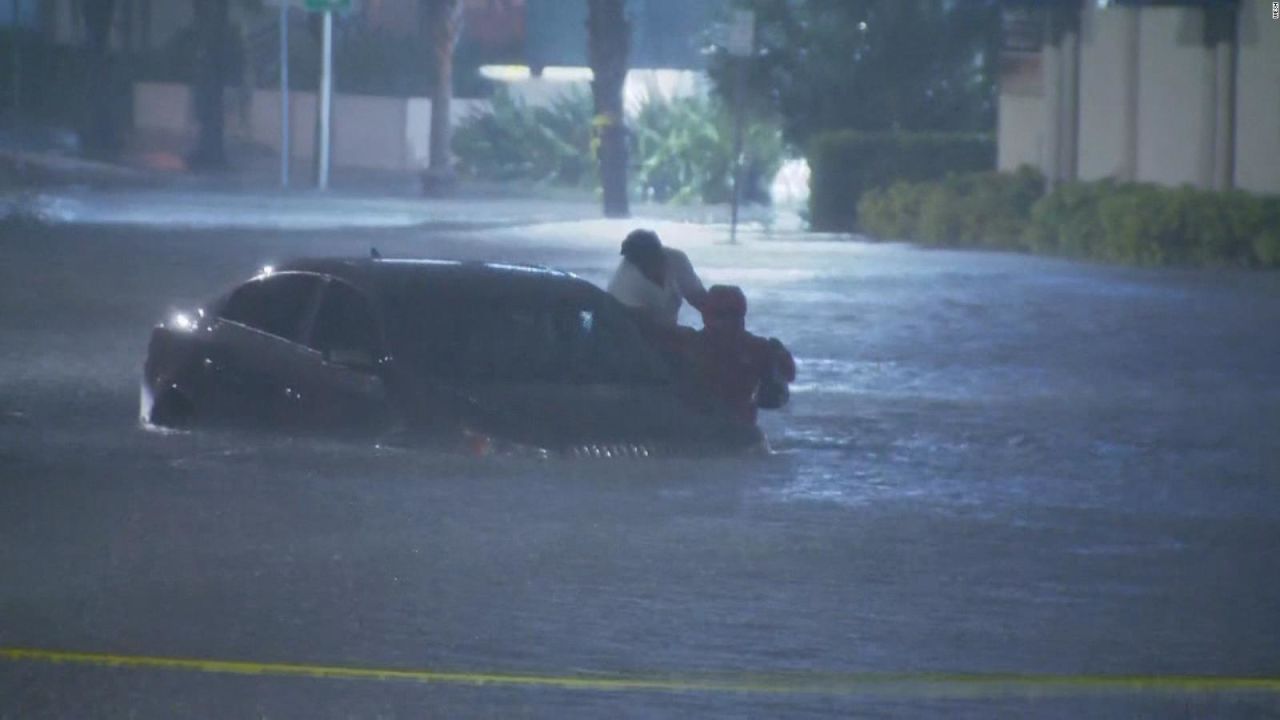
(100, 131)
(444, 18)
(608, 43)
(212, 21)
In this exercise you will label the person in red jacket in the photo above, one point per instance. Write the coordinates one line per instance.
(735, 369)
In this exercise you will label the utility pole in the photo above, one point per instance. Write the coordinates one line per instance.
(741, 47)
(326, 98)
(328, 7)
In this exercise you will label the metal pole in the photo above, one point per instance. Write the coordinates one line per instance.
(740, 87)
(326, 98)
(285, 146)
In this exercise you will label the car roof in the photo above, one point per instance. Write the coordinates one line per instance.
(382, 276)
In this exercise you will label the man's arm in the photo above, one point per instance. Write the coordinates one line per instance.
(785, 362)
(686, 279)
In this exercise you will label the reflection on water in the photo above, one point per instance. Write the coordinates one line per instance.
(991, 463)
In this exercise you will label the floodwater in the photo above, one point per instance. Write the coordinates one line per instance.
(991, 464)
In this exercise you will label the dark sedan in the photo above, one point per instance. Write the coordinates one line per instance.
(482, 354)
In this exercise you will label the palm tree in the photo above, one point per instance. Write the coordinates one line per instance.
(444, 23)
(608, 43)
(100, 131)
(212, 21)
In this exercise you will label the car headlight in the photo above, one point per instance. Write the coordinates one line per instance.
(183, 322)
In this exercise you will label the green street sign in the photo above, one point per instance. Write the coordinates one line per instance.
(327, 5)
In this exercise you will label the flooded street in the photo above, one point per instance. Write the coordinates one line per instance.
(991, 464)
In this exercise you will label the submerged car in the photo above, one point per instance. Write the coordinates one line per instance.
(479, 353)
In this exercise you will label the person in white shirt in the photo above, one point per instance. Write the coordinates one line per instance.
(654, 280)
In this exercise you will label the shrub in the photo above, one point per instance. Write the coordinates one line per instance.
(845, 164)
(892, 212)
(1151, 225)
(984, 209)
(1266, 247)
(1137, 224)
(1065, 222)
(516, 142)
(681, 150)
(1265, 240)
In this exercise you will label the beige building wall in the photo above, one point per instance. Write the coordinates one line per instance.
(1172, 97)
(1103, 93)
(1258, 100)
(1020, 132)
(1167, 97)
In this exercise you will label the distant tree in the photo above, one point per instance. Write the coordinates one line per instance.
(212, 26)
(608, 44)
(872, 64)
(444, 23)
(100, 131)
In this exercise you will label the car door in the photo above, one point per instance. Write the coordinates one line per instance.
(624, 384)
(568, 372)
(341, 384)
(502, 358)
(254, 365)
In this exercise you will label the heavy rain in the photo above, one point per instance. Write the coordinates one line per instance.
(1029, 462)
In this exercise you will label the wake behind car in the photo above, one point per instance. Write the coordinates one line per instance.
(437, 350)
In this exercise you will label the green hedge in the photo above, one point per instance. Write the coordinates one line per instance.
(979, 210)
(1146, 224)
(1138, 224)
(845, 164)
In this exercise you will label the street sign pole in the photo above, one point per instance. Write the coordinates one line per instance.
(326, 98)
(325, 113)
(285, 146)
(741, 47)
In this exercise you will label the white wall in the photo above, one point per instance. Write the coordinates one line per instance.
(1020, 131)
(1172, 100)
(163, 107)
(1171, 96)
(1102, 94)
(1258, 100)
(368, 132)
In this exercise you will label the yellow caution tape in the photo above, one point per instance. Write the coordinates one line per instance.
(946, 685)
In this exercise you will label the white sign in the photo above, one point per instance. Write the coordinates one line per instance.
(742, 33)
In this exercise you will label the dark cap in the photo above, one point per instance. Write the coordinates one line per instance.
(725, 300)
(641, 243)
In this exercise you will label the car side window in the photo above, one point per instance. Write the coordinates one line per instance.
(608, 348)
(344, 325)
(275, 304)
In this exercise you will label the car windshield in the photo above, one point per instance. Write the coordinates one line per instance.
(519, 340)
